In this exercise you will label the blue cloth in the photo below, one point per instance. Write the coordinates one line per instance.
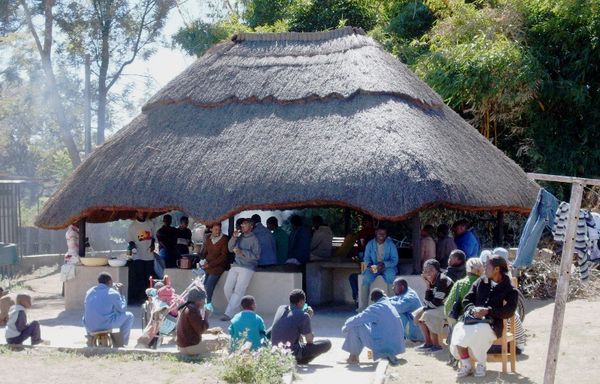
(390, 261)
(268, 253)
(250, 323)
(299, 245)
(385, 330)
(406, 303)
(541, 216)
(104, 309)
(468, 243)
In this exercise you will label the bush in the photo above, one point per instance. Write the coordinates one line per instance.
(267, 365)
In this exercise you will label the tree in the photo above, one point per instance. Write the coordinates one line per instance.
(114, 33)
(44, 49)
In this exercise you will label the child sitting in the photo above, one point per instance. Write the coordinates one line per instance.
(247, 327)
(17, 329)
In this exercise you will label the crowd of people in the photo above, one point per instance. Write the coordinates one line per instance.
(466, 300)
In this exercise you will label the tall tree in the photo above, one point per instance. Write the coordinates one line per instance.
(114, 33)
(44, 49)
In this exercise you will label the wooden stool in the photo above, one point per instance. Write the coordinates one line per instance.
(101, 339)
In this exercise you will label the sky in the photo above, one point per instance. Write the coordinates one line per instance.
(164, 65)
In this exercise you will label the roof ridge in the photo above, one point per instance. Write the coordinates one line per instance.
(297, 36)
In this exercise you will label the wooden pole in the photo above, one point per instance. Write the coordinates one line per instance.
(562, 291)
(231, 226)
(499, 240)
(82, 238)
(415, 222)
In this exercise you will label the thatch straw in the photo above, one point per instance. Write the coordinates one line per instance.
(291, 139)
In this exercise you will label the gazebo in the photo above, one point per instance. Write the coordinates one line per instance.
(289, 120)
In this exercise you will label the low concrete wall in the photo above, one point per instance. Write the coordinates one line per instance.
(87, 277)
(270, 289)
(32, 262)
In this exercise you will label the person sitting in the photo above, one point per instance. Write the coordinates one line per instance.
(104, 308)
(321, 241)
(6, 301)
(456, 265)
(381, 259)
(366, 234)
(427, 243)
(216, 259)
(292, 322)
(266, 240)
(444, 246)
(191, 323)
(460, 289)
(491, 299)
(465, 238)
(247, 327)
(430, 317)
(167, 241)
(281, 239)
(299, 242)
(17, 329)
(379, 328)
(246, 247)
(406, 301)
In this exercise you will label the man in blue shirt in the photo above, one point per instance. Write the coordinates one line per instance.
(406, 301)
(247, 326)
(381, 258)
(465, 238)
(104, 308)
(267, 243)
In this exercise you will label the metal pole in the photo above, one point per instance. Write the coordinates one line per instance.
(87, 109)
(562, 291)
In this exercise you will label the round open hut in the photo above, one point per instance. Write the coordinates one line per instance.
(285, 120)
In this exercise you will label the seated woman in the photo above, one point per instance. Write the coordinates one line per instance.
(191, 324)
(491, 299)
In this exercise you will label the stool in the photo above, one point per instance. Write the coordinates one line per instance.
(101, 339)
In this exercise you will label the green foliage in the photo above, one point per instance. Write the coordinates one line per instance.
(320, 15)
(267, 365)
(199, 36)
(267, 12)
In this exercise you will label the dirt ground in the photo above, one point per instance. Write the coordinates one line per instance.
(578, 361)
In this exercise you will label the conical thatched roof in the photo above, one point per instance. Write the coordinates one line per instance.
(290, 120)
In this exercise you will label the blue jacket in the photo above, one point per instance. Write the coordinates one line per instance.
(387, 330)
(102, 307)
(390, 255)
(408, 302)
(468, 243)
(252, 325)
(299, 245)
(266, 240)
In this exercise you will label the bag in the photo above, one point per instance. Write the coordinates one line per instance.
(456, 307)
(469, 319)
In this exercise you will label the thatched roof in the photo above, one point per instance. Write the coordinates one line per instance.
(275, 121)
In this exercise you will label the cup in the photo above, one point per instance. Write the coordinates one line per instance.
(374, 268)
(184, 263)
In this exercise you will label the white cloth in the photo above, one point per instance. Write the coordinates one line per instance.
(141, 233)
(67, 272)
(477, 337)
(72, 236)
(238, 279)
(215, 240)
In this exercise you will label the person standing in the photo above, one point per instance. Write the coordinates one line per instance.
(465, 238)
(321, 241)
(445, 244)
(184, 236)
(216, 256)
(282, 239)
(246, 247)
(381, 259)
(140, 236)
(266, 241)
(167, 243)
(427, 244)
